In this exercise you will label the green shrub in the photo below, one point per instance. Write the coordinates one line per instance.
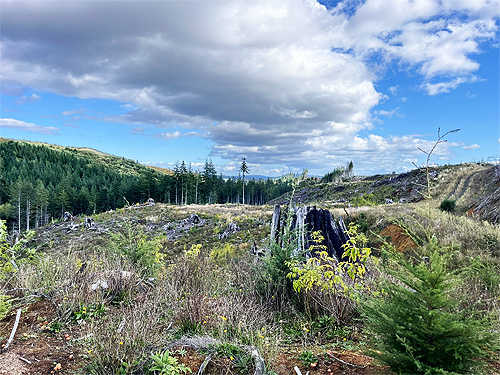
(166, 364)
(141, 251)
(4, 307)
(272, 280)
(331, 286)
(417, 324)
(448, 205)
(307, 358)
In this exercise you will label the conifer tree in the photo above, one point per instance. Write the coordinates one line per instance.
(418, 324)
(244, 169)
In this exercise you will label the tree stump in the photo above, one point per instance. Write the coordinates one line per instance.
(303, 223)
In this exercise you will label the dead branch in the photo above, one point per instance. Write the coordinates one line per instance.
(25, 360)
(344, 362)
(14, 329)
(204, 364)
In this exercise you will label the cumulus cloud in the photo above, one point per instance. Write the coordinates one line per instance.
(435, 37)
(284, 82)
(474, 146)
(21, 125)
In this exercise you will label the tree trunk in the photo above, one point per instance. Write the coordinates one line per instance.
(243, 200)
(196, 193)
(28, 209)
(19, 211)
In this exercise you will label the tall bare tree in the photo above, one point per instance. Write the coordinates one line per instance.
(244, 169)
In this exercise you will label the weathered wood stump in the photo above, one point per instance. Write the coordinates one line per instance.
(304, 222)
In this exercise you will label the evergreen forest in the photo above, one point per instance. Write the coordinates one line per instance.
(39, 182)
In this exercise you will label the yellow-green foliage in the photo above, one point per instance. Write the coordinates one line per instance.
(324, 272)
(221, 254)
(357, 254)
(193, 252)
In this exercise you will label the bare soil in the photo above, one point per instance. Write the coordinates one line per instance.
(37, 350)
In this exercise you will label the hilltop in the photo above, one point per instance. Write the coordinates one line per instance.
(116, 163)
(474, 187)
(39, 182)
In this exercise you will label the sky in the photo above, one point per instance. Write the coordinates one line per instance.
(287, 84)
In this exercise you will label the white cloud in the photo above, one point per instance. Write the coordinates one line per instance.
(393, 90)
(73, 112)
(444, 87)
(436, 37)
(276, 77)
(21, 125)
(388, 114)
(28, 99)
(474, 146)
(170, 135)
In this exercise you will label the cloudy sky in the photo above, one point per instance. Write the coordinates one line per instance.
(287, 84)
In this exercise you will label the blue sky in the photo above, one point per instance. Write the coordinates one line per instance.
(286, 84)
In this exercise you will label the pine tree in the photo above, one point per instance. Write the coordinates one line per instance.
(244, 169)
(418, 325)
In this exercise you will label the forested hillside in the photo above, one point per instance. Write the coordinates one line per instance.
(39, 182)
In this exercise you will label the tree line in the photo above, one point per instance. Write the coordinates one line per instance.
(39, 182)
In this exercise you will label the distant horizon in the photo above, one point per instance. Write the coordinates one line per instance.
(286, 84)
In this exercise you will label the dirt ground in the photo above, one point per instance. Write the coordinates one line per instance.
(36, 350)
(398, 237)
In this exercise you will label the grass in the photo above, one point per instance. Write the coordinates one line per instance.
(151, 301)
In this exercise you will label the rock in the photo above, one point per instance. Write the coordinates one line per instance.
(113, 281)
(99, 284)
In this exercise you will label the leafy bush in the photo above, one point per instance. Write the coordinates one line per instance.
(448, 205)
(140, 250)
(272, 280)
(4, 307)
(418, 325)
(333, 286)
(307, 358)
(166, 364)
